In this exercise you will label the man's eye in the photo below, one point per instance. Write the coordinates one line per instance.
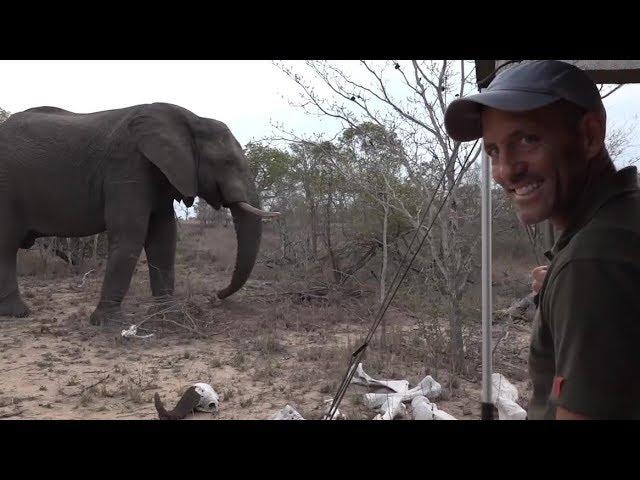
(529, 139)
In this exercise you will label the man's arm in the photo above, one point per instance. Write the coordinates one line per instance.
(595, 322)
(564, 414)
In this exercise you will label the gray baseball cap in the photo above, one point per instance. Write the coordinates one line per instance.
(527, 86)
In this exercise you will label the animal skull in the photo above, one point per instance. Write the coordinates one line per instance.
(209, 399)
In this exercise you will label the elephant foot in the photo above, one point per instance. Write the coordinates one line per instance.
(107, 317)
(13, 306)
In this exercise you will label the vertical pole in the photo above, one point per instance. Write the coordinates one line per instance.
(549, 237)
(487, 313)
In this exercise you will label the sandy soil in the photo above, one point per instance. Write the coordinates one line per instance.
(258, 350)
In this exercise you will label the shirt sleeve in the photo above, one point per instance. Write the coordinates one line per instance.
(594, 320)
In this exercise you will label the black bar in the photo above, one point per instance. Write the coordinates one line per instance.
(487, 411)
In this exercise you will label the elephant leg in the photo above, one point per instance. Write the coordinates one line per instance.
(11, 303)
(160, 248)
(125, 245)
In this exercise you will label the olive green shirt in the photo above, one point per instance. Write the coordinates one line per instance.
(585, 346)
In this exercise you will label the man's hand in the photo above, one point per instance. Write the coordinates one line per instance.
(564, 414)
(538, 274)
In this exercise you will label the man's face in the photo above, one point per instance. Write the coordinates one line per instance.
(537, 159)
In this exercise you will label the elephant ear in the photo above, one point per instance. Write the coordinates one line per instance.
(167, 143)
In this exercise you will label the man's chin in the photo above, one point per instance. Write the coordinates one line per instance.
(531, 218)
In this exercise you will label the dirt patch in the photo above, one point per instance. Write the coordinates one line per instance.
(261, 349)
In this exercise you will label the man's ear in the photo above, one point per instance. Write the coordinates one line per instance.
(593, 127)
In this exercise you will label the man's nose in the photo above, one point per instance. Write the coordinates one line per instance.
(508, 170)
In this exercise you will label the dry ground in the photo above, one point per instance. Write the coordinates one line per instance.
(259, 349)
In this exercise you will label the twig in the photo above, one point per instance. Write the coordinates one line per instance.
(90, 386)
(495, 347)
(193, 322)
(182, 326)
(14, 368)
(612, 91)
(271, 294)
(84, 277)
(12, 414)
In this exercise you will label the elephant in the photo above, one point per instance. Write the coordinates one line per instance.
(72, 174)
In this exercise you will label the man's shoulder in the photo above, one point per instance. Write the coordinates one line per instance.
(612, 235)
(595, 272)
(621, 210)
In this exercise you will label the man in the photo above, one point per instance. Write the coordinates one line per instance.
(543, 125)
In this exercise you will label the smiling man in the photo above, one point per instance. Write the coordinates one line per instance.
(543, 125)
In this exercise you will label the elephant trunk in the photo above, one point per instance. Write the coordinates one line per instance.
(248, 233)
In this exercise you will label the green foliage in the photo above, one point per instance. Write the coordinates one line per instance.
(271, 168)
(208, 215)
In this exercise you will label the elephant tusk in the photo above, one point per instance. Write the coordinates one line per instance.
(256, 211)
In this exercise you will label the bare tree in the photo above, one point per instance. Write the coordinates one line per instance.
(3, 114)
(409, 99)
(620, 146)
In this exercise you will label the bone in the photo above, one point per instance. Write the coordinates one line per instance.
(423, 409)
(185, 406)
(209, 399)
(427, 387)
(132, 332)
(504, 395)
(391, 408)
(361, 378)
(337, 415)
(375, 400)
(392, 405)
(287, 413)
(199, 397)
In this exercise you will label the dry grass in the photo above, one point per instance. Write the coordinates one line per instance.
(33, 263)
(239, 361)
(134, 387)
(289, 330)
(228, 394)
(268, 371)
(268, 344)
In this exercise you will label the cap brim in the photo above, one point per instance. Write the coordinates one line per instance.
(462, 118)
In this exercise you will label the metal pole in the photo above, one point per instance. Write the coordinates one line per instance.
(487, 313)
(549, 235)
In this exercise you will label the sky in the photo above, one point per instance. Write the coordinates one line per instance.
(249, 96)
(246, 95)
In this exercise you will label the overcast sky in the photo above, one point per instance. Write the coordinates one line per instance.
(247, 95)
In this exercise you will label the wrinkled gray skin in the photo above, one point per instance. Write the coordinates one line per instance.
(71, 175)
